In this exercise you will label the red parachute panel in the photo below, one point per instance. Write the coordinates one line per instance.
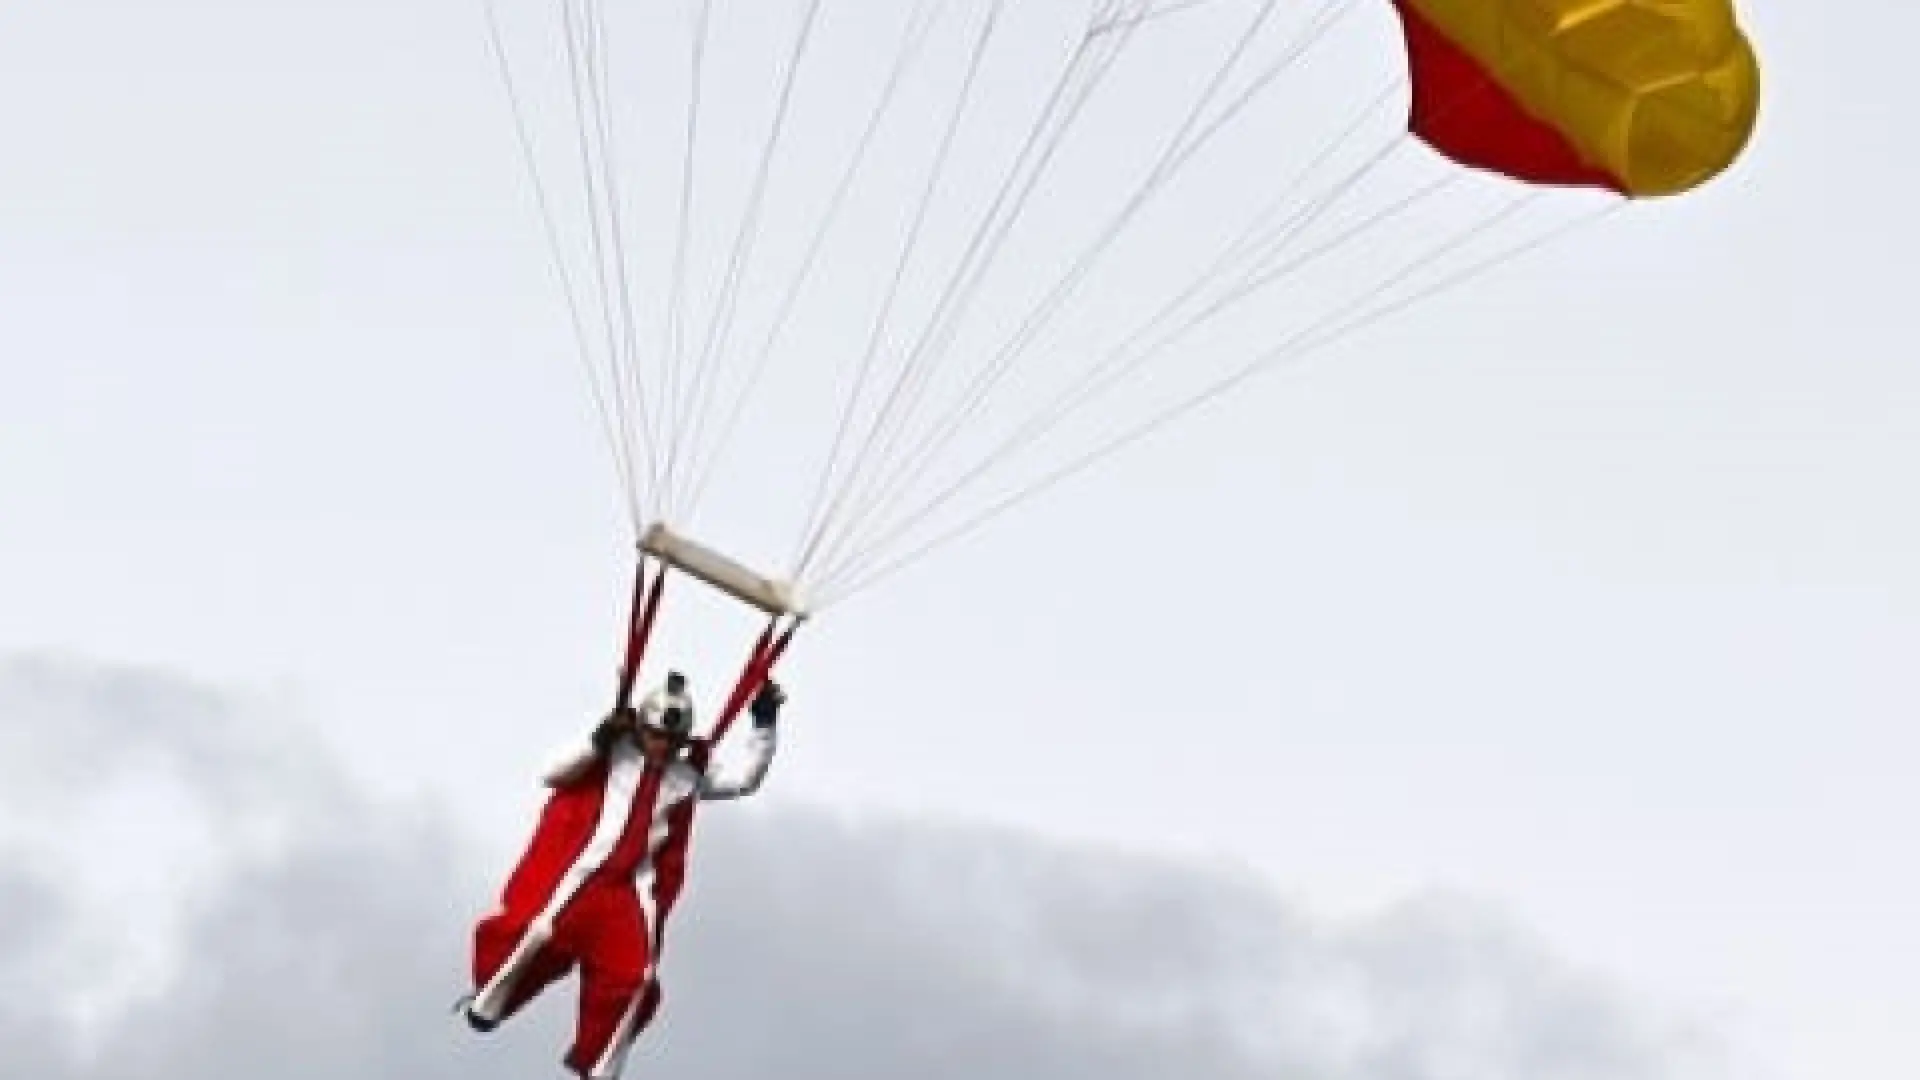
(1463, 112)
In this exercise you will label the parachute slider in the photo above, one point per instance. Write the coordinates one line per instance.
(768, 594)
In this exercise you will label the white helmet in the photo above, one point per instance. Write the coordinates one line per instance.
(668, 708)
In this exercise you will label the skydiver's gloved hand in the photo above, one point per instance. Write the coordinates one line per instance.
(766, 704)
(618, 724)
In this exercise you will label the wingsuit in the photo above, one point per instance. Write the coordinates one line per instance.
(602, 871)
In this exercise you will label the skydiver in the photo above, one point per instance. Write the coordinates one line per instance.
(599, 877)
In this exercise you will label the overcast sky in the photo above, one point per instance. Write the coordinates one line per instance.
(1583, 598)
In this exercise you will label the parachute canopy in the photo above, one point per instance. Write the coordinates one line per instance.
(1646, 97)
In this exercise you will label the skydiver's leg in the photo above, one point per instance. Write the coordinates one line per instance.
(494, 942)
(494, 939)
(545, 968)
(613, 968)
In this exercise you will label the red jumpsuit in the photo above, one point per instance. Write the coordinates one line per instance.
(593, 891)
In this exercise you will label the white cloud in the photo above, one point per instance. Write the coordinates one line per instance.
(815, 944)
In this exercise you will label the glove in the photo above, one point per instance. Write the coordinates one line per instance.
(766, 704)
(611, 729)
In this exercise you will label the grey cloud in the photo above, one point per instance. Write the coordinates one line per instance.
(29, 921)
(815, 944)
(65, 728)
(1072, 961)
(32, 914)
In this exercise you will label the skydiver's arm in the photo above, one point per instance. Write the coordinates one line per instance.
(762, 740)
(761, 743)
